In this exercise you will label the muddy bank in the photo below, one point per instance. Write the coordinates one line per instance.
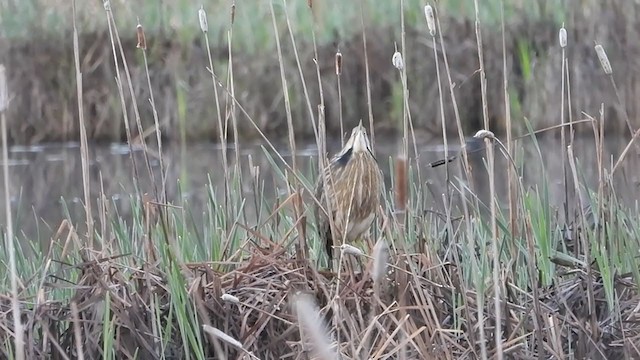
(44, 106)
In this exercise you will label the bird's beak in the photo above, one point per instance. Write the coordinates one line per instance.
(360, 140)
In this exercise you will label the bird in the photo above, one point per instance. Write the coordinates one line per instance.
(348, 191)
(473, 146)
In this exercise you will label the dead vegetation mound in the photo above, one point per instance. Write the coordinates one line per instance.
(420, 309)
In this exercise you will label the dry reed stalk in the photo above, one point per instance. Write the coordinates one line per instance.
(584, 239)
(114, 35)
(483, 75)
(299, 208)
(320, 107)
(151, 211)
(326, 178)
(398, 63)
(495, 249)
(405, 95)
(608, 70)
(319, 129)
(368, 79)
(456, 111)
(406, 123)
(338, 65)
(293, 184)
(110, 25)
(142, 45)
(231, 104)
(562, 40)
(84, 147)
(231, 108)
(485, 117)
(296, 54)
(511, 172)
(429, 17)
(141, 133)
(204, 27)
(18, 331)
(406, 109)
(77, 330)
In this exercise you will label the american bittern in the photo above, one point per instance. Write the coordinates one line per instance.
(351, 192)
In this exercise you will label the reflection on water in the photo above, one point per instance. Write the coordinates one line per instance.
(42, 176)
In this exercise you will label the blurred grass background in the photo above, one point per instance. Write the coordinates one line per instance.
(36, 47)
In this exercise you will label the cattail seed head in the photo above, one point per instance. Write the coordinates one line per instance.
(380, 257)
(562, 37)
(481, 134)
(107, 5)
(202, 16)
(338, 63)
(222, 336)
(310, 4)
(401, 183)
(604, 60)
(233, 12)
(396, 60)
(351, 250)
(230, 298)
(4, 91)
(431, 22)
(142, 40)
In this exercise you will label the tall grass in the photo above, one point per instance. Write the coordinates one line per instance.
(485, 280)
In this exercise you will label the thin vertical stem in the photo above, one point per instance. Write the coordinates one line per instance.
(9, 239)
(221, 129)
(497, 296)
(83, 132)
(340, 111)
(368, 79)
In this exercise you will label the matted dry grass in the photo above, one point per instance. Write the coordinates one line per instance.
(417, 314)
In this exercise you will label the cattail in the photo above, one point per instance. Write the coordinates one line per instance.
(401, 183)
(4, 91)
(562, 37)
(233, 12)
(230, 298)
(396, 60)
(604, 60)
(310, 4)
(481, 134)
(142, 40)
(431, 22)
(202, 16)
(338, 63)
(351, 250)
(222, 336)
(309, 319)
(380, 257)
(107, 5)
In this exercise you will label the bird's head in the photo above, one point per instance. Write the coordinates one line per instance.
(359, 141)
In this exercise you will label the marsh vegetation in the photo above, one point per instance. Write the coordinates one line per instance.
(162, 248)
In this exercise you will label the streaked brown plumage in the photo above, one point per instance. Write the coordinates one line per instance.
(353, 187)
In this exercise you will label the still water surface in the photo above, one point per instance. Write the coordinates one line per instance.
(47, 179)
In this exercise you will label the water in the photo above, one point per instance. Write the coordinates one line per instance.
(47, 179)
